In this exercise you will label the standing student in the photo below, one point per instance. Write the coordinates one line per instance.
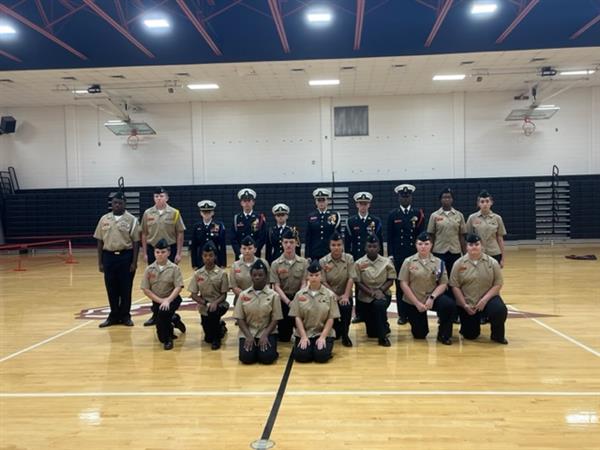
(118, 236)
(274, 245)
(161, 221)
(288, 275)
(489, 226)
(240, 277)
(208, 229)
(248, 223)
(404, 224)
(322, 222)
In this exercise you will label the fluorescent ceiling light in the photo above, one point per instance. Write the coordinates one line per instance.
(577, 72)
(7, 29)
(449, 77)
(156, 23)
(483, 8)
(319, 17)
(324, 82)
(195, 87)
(80, 91)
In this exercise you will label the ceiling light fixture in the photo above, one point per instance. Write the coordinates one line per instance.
(197, 87)
(456, 77)
(483, 8)
(80, 91)
(7, 29)
(577, 72)
(324, 82)
(157, 23)
(319, 17)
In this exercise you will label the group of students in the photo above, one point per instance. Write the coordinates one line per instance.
(310, 297)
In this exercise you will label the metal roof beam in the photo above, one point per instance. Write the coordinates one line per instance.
(9, 56)
(442, 13)
(276, 13)
(199, 26)
(358, 27)
(586, 27)
(25, 21)
(112, 22)
(524, 11)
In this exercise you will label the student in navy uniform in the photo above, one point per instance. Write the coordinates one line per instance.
(118, 235)
(322, 222)
(206, 230)
(248, 223)
(358, 228)
(274, 245)
(404, 224)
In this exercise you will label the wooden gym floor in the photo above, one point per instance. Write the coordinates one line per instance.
(66, 384)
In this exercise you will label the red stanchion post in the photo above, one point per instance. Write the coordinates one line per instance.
(20, 267)
(70, 258)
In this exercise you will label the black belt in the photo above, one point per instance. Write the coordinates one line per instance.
(117, 252)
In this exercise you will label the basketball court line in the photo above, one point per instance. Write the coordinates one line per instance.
(558, 333)
(303, 393)
(61, 334)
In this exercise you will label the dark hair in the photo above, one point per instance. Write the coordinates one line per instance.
(258, 265)
(424, 236)
(471, 238)
(209, 247)
(314, 266)
(446, 190)
(335, 236)
(484, 194)
(162, 244)
(372, 239)
(288, 234)
(248, 240)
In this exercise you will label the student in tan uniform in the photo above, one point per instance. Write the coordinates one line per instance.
(314, 309)
(209, 287)
(240, 278)
(476, 280)
(338, 276)
(374, 277)
(257, 312)
(118, 235)
(162, 283)
(489, 226)
(288, 275)
(161, 222)
(424, 280)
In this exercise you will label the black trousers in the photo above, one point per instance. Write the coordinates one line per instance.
(419, 326)
(118, 281)
(375, 317)
(256, 354)
(150, 253)
(211, 324)
(398, 260)
(285, 326)
(497, 257)
(359, 308)
(312, 353)
(342, 325)
(164, 320)
(495, 311)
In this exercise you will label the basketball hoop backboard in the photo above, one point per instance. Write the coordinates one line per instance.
(541, 112)
(121, 128)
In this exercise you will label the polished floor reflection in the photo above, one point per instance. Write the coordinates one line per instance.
(67, 384)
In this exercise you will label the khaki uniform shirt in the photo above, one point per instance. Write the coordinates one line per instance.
(209, 285)
(487, 227)
(314, 310)
(239, 276)
(447, 226)
(159, 226)
(289, 274)
(475, 279)
(116, 234)
(337, 272)
(162, 282)
(422, 276)
(373, 274)
(258, 309)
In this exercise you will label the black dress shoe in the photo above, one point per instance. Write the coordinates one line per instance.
(346, 342)
(216, 345)
(150, 322)
(445, 341)
(180, 326)
(168, 345)
(402, 320)
(385, 342)
(106, 323)
(502, 341)
(357, 319)
(127, 322)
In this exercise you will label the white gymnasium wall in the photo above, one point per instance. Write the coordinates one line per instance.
(421, 136)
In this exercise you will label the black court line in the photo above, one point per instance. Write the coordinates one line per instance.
(279, 397)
